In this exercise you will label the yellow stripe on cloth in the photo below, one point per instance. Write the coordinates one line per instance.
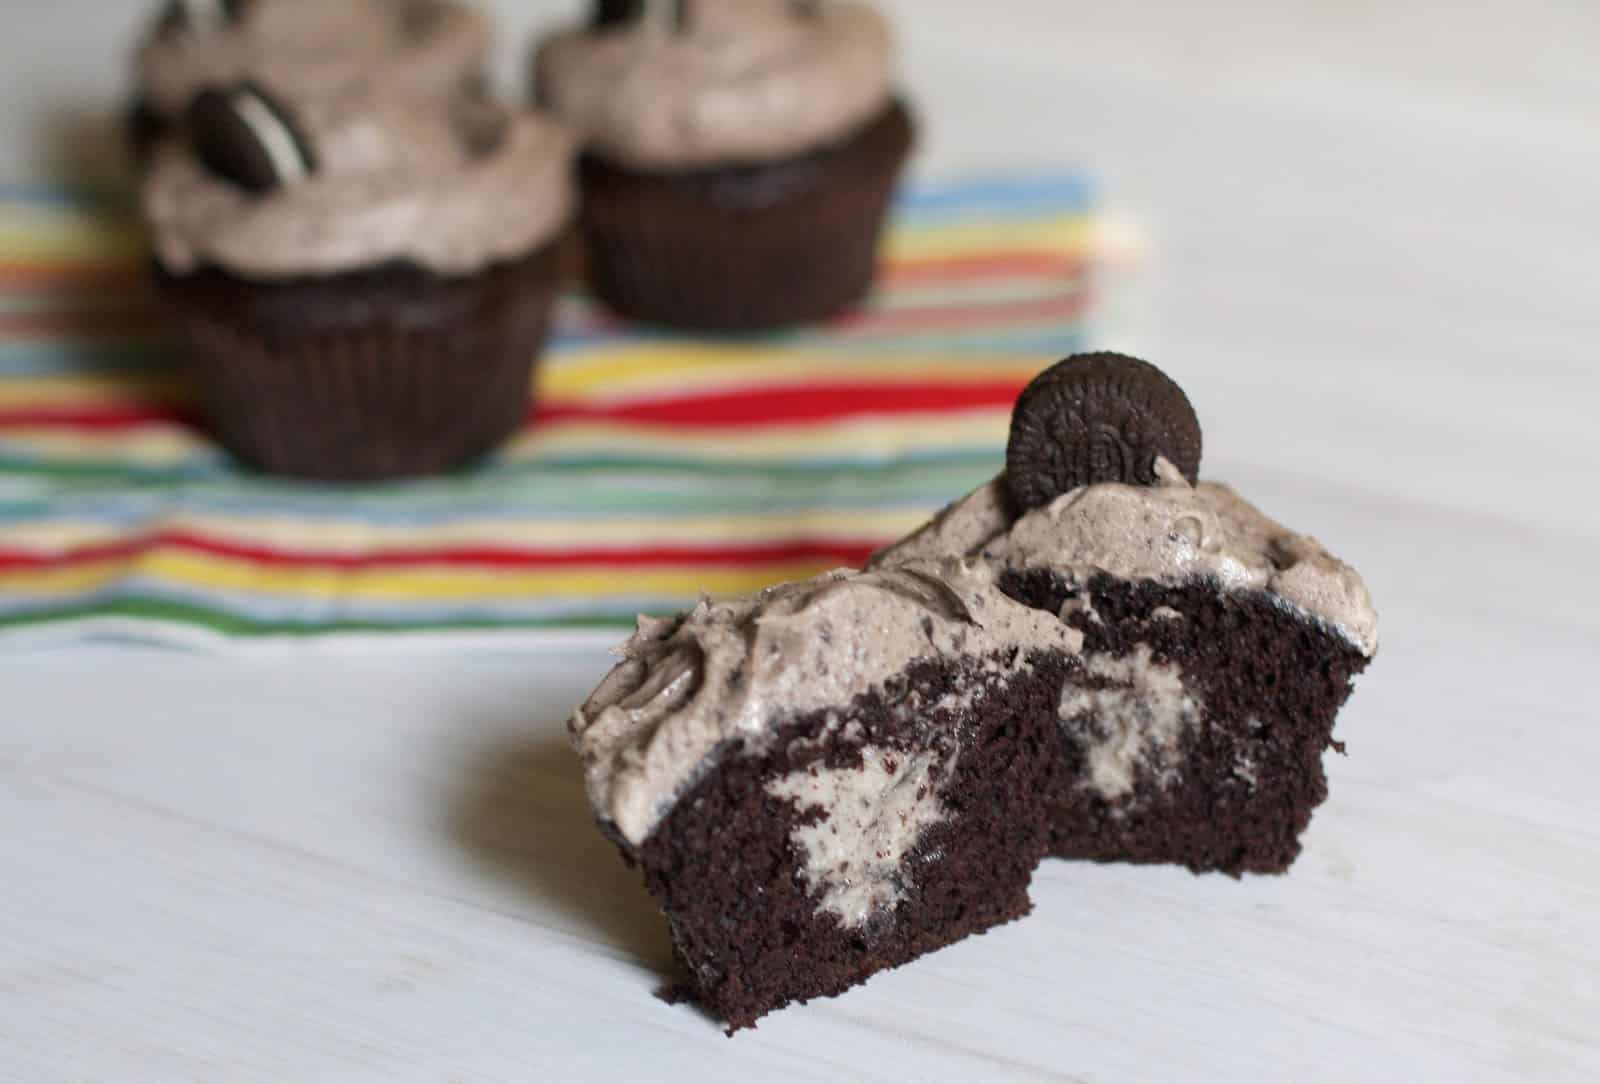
(29, 236)
(618, 374)
(77, 391)
(1049, 236)
(865, 437)
(423, 583)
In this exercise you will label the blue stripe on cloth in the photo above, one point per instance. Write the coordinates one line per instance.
(969, 197)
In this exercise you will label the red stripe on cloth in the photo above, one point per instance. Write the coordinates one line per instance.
(1001, 265)
(974, 317)
(792, 404)
(754, 408)
(844, 551)
(108, 418)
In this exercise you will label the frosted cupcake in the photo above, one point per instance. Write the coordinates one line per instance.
(740, 155)
(361, 282)
(315, 46)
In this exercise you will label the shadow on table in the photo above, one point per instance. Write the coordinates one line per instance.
(526, 817)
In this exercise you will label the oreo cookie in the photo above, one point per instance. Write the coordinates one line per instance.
(246, 135)
(1097, 418)
(203, 15)
(669, 14)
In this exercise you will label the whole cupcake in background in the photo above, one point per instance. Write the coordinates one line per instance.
(741, 155)
(315, 46)
(361, 282)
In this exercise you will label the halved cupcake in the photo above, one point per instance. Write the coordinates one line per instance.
(361, 282)
(1096, 655)
(740, 159)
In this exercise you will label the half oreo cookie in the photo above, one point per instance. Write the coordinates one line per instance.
(246, 135)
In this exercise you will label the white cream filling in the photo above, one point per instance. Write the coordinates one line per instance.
(874, 816)
(288, 164)
(1133, 726)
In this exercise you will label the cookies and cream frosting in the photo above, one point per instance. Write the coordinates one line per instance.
(452, 185)
(731, 672)
(738, 81)
(317, 46)
(1170, 533)
(728, 670)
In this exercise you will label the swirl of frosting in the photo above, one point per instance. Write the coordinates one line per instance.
(450, 185)
(722, 678)
(318, 46)
(1171, 532)
(729, 670)
(740, 81)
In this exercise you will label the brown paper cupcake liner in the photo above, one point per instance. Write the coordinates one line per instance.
(379, 374)
(745, 248)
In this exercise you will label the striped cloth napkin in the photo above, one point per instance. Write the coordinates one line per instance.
(652, 469)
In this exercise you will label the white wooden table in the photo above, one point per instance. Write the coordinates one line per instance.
(1374, 239)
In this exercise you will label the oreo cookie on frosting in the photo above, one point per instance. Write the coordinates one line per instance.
(246, 135)
(363, 280)
(1096, 418)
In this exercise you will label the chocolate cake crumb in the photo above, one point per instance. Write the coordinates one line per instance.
(722, 865)
(1269, 684)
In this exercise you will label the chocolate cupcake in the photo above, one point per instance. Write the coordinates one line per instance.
(740, 158)
(361, 282)
(316, 46)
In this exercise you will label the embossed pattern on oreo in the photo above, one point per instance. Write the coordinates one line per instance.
(1097, 418)
(244, 134)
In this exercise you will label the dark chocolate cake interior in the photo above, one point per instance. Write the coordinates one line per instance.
(750, 933)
